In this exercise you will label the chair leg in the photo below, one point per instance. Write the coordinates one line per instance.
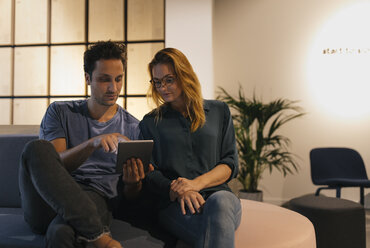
(317, 193)
(362, 201)
(338, 192)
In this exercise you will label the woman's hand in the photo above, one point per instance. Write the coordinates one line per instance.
(182, 185)
(173, 195)
(193, 200)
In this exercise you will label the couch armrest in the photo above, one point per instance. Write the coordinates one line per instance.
(11, 147)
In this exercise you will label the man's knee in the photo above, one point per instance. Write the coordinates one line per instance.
(38, 153)
(34, 147)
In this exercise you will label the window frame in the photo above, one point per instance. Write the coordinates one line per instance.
(125, 96)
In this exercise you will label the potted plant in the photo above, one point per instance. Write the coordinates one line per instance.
(259, 145)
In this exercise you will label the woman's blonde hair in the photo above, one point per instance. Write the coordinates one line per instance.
(188, 82)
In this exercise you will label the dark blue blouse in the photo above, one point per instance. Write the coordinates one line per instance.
(178, 152)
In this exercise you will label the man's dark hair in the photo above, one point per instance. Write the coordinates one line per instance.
(103, 50)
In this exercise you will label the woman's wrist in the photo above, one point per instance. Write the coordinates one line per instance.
(199, 183)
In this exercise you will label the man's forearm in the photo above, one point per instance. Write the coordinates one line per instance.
(74, 157)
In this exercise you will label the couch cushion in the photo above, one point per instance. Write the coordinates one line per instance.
(132, 237)
(14, 232)
(18, 211)
(11, 147)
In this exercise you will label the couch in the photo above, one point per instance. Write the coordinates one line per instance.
(14, 232)
(262, 224)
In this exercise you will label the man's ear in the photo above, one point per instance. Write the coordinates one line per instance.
(87, 78)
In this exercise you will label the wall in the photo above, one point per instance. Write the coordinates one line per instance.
(270, 48)
(189, 29)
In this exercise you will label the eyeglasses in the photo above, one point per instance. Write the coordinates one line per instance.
(165, 81)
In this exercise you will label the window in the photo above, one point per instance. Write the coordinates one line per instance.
(42, 44)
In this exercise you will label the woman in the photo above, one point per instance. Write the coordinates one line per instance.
(194, 155)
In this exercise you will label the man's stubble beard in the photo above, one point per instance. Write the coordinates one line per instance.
(103, 103)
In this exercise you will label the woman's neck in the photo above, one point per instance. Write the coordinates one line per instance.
(179, 106)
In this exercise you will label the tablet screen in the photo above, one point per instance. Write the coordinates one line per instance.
(134, 149)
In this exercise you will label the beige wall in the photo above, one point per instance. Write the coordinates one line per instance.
(189, 29)
(266, 45)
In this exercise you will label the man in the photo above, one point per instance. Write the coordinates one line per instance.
(67, 178)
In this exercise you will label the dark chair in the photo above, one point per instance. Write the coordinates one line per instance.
(337, 168)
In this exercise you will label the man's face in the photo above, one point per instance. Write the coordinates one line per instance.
(106, 81)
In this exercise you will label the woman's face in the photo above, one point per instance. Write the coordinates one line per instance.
(165, 82)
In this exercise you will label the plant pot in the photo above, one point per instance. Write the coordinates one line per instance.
(255, 196)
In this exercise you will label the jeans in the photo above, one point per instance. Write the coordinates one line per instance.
(55, 204)
(214, 227)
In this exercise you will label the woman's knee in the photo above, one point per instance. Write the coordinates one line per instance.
(223, 200)
(223, 206)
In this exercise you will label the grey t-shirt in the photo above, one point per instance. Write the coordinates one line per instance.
(71, 120)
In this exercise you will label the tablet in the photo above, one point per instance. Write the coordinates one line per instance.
(134, 149)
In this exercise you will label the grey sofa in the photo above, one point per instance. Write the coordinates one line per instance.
(14, 232)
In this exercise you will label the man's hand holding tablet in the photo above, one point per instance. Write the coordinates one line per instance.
(133, 161)
(128, 149)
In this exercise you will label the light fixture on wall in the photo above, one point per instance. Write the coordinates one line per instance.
(338, 69)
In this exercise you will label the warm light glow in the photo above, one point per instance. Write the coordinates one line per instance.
(339, 63)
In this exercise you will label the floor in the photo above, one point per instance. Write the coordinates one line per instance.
(368, 228)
